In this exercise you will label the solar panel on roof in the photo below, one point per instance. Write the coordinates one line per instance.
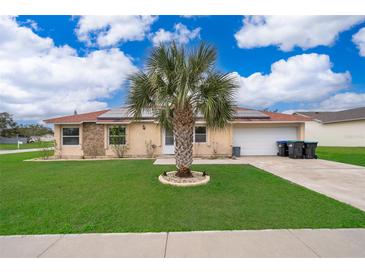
(121, 113)
(250, 114)
(114, 113)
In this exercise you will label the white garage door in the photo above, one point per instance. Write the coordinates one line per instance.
(261, 141)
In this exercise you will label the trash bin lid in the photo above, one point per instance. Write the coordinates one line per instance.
(310, 142)
(281, 142)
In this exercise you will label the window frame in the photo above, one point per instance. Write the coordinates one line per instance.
(206, 134)
(125, 134)
(70, 136)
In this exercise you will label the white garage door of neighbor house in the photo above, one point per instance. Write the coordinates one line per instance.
(261, 141)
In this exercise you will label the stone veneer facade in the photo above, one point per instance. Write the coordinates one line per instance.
(93, 140)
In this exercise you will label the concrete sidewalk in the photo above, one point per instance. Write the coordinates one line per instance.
(284, 243)
(12, 151)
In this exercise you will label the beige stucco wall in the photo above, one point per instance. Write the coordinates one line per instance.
(57, 139)
(219, 143)
(351, 134)
(301, 131)
(138, 134)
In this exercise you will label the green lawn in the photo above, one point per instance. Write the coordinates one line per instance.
(349, 155)
(125, 196)
(25, 146)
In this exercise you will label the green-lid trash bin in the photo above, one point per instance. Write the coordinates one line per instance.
(295, 149)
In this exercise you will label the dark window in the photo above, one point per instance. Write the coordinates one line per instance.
(70, 136)
(117, 135)
(200, 135)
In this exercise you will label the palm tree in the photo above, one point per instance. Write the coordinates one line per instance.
(177, 85)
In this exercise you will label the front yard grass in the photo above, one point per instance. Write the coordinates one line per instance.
(125, 196)
(348, 155)
(26, 145)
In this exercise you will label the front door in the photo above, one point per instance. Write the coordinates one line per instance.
(168, 142)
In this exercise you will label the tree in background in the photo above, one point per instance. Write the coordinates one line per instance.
(8, 127)
(33, 130)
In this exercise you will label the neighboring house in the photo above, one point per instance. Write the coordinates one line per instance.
(92, 134)
(336, 128)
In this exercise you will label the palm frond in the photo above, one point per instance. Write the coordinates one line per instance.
(216, 99)
(142, 94)
(201, 61)
(164, 116)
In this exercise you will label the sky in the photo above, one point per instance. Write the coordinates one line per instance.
(53, 65)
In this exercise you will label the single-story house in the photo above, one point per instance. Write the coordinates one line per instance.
(336, 128)
(97, 134)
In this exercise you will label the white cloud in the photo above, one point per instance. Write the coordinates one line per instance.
(359, 40)
(40, 80)
(343, 101)
(181, 35)
(301, 78)
(287, 32)
(340, 101)
(111, 30)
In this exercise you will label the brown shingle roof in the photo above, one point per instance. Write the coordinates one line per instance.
(77, 119)
(99, 117)
(276, 116)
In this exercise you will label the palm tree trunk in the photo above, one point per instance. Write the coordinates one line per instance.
(183, 126)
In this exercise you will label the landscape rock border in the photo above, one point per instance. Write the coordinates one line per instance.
(197, 179)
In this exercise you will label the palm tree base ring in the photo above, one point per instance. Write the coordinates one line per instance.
(171, 179)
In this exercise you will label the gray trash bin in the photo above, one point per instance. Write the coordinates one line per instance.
(282, 148)
(236, 151)
(310, 150)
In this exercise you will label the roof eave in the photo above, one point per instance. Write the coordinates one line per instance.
(67, 123)
(267, 122)
(343, 120)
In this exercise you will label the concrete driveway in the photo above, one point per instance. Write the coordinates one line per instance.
(342, 182)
